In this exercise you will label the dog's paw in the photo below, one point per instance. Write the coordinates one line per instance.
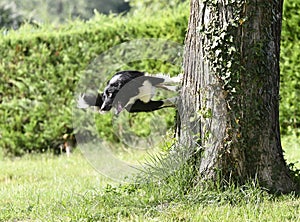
(81, 103)
(171, 101)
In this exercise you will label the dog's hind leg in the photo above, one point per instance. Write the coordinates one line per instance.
(170, 102)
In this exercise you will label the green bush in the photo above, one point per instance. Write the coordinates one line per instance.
(290, 69)
(40, 68)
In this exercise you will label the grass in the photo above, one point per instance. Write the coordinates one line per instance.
(49, 188)
(42, 186)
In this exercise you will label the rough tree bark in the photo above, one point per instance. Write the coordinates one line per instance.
(229, 113)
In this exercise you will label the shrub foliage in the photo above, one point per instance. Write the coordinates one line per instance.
(40, 67)
(290, 69)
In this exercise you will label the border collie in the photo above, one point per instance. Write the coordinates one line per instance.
(132, 91)
(91, 100)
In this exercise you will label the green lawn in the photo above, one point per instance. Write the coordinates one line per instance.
(50, 188)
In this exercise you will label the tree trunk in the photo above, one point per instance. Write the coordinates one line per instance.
(229, 112)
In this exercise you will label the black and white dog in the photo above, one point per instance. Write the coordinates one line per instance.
(132, 91)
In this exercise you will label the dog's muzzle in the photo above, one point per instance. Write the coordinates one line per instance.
(106, 106)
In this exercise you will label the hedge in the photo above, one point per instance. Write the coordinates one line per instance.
(290, 69)
(40, 67)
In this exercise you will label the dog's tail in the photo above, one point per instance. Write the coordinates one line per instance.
(85, 101)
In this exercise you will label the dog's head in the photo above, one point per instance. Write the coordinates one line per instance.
(109, 94)
(113, 88)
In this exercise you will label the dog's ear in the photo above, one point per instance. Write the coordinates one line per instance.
(99, 100)
(120, 84)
